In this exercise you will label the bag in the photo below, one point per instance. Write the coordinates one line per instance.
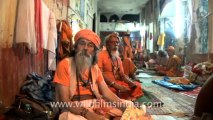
(39, 88)
(29, 109)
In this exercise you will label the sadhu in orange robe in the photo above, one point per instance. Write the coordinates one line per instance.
(172, 68)
(129, 67)
(113, 69)
(127, 53)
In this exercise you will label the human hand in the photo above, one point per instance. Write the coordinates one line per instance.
(132, 85)
(122, 88)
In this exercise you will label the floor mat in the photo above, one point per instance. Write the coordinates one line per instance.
(194, 93)
(166, 117)
(173, 102)
(149, 100)
(143, 75)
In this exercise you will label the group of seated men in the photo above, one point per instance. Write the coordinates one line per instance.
(92, 78)
(164, 62)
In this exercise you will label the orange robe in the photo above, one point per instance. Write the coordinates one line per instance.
(63, 73)
(127, 53)
(65, 76)
(65, 42)
(172, 68)
(105, 64)
(129, 67)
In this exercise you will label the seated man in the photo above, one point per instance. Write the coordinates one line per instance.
(153, 60)
(128, 66)
(162, 58)
(112, 69)
(138, 59)
(127, 52)
(173, 65)
(80, 84)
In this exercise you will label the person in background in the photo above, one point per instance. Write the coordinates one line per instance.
(79, 81)
(162, 58)
(153, 60)
(146, 58)
(129, 69)
(172, 68)
(128, 65)
(146, 55)
(127, 52)
(138, 59)
(112, 69)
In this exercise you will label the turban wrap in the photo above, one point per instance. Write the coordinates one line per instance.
(88, 35)
(114, 34)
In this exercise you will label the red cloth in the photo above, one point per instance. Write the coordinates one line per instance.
(132, 94)
(38, 25)
(197, 71)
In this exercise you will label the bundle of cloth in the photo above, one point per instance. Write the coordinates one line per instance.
(200, 72)
(181, 80)
(179, 84)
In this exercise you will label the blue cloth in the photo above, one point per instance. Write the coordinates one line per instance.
(39, 88)
(167, 84)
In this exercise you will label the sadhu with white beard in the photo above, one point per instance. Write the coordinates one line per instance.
(79, 80)
(112, 69)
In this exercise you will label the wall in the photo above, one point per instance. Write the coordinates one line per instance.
(197, 58)
(75, 14)
(58, 7)
(118, 26)
(197, 33)
(210, 26)
(17, 62)
(7, 21)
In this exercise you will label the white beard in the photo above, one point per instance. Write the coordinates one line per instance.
(83, 61)
(115, 54)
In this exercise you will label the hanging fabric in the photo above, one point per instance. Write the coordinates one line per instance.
(49, 33)
(25, 25)
(65, 44)
(38, 25)
(161, 39)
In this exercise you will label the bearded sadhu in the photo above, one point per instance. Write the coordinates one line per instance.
(173, 65)
(112, 69)
(79, 83)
